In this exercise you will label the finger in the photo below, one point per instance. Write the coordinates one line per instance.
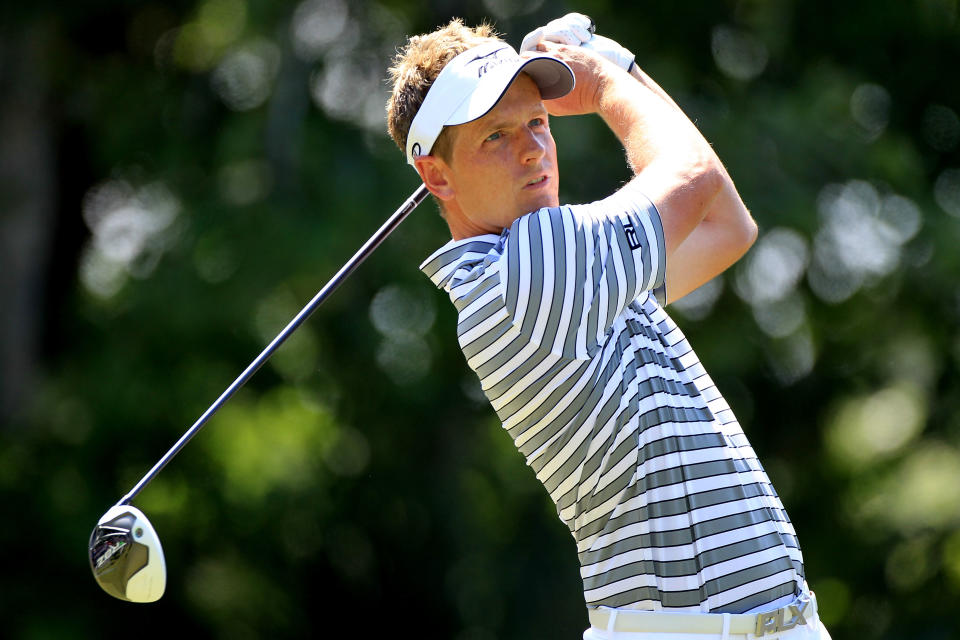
(530, 53)
(561, 30)
(531, 40)
(579, 19)
(562, 36)
(581, 32)
(552, 47)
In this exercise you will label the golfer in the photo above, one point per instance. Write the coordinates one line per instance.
(678, 530)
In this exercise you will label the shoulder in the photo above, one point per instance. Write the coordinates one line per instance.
(627, 201)
(630, 199)
(628, 210)
(461, 260)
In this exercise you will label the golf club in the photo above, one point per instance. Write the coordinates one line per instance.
(125, 553)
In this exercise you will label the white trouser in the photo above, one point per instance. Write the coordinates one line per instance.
(630, 624)
(797, 633)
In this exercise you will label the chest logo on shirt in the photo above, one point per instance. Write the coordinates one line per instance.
(632, 238)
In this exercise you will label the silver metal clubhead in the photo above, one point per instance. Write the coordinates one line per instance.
(126, 557)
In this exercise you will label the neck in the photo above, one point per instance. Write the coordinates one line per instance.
(462, 227)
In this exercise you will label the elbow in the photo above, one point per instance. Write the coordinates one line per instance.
(743, 235)
(738, 219)
(724, 207)
(750, 230)
(708, 179)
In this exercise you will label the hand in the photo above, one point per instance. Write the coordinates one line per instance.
(573, 29)
(591, 73)
(577, 30)
(612, 51)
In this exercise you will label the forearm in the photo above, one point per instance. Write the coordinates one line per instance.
(650, 125)
(705, 224)
(660, 139)
(723, 235)
(727, 206)
(675, 166)
(648, 82)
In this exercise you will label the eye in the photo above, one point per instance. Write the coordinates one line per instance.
(538, 122)
(496, 135)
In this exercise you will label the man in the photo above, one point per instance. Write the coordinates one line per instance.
(677, 526)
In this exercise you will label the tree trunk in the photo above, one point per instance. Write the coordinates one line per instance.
(27, 211)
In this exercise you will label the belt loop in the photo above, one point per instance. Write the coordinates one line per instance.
(612, 622)
(726, 627)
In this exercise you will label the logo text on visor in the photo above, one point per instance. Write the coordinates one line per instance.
(494, 61)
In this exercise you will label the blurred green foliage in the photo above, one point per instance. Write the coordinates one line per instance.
(216, 161)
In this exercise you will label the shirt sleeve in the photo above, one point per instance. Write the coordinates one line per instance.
(571, 270)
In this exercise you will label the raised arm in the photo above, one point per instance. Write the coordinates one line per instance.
(724, 234)
(706, 225)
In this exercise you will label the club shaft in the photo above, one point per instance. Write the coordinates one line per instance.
(362, 254)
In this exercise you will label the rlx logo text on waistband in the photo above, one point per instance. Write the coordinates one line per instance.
(775, 622)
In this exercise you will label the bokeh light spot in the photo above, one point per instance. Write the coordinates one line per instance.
(774, 267)
(271, 443)
(245, 181)
(951, 559)
(222, 21)
(348, 454)
(297, 358)
(699, 303)
(406, 359)
(198, 45)
(946, 191)
(781, 318)
(833, 599)
(316, 26)
(865, 430)
(350, 89)
(920, 493)
(244, 77)
(403, 316)
(738, 53)
(870, 108)
(793, 357)
(909, 564)
(402, 311)
(860, 238)
(131, 228)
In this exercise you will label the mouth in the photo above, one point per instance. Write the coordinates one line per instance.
(537, 181)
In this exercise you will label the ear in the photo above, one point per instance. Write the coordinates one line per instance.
(436, 175)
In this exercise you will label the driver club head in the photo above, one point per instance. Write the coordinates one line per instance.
(126, 557)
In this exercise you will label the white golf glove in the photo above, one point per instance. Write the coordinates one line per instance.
(576, 29)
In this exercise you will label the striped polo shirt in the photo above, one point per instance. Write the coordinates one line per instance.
(669, 507)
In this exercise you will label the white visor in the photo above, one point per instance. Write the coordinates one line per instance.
(473, 82)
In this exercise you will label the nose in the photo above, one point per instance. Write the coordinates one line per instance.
(532, 146)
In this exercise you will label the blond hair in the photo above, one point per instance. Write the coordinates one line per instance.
(417, 65)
